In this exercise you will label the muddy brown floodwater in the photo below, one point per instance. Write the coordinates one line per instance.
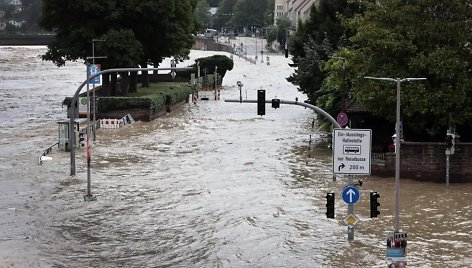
(209, 185)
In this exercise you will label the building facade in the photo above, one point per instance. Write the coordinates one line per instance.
(281, 9)
(295, 10)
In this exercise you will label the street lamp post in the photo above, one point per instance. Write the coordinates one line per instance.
(198, 69)
(198, 76)
(89, 196)
(255, 35)
(398, 81)
(216, 83)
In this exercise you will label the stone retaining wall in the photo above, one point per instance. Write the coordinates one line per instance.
(427, 161)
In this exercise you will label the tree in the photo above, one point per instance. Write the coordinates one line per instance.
(269, 13)
(223, 63)
(31, 12)
(124, 51)
(279, 32)
(426, 38)
(202, 12)
(224, 14)
(313, 44)
(164, 28)
(249, 13)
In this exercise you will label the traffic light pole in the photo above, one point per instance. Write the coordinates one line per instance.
(275, 104)
(296, 102)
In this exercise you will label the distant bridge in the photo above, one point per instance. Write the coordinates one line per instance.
(26, 40)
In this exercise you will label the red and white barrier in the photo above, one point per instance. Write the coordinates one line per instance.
(111, 123)
(116, 123)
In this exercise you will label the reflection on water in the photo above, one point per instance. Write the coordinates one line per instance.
(210, 185)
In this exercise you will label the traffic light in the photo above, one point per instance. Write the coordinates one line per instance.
(330, 205)
(275, 103)
(374, 204)
(286, 49)
(261, 102)
(449, 140)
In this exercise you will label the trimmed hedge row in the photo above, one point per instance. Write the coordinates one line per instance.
(155, 103)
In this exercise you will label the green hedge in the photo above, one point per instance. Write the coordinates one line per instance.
(155, 102)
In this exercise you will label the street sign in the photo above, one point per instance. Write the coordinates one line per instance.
(351, 220)
(352, 151)
(83, 106)
(351, 194)
(342, 119)
(93, 69)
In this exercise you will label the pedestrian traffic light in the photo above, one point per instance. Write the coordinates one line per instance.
(275, 103)
(374, 204)
(261, 102)
(330, 205)
(450, 140)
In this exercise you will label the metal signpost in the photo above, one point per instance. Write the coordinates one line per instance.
(351, 156)
(351, 151)
(350, 196)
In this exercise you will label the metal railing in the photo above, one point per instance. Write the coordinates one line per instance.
(46, 152)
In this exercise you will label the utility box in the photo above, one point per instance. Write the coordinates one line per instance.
(63, 126)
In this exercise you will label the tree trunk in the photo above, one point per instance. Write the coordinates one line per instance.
(144, 76)
(133, 83)
(113, 89)
(105, 85)
(124, 83)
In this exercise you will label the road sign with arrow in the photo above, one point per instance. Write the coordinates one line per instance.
(351, 194)
(351, 151)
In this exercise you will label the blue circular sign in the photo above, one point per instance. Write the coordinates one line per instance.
(351, 194)
(342, 119)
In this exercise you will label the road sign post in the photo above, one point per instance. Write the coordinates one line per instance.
(352, 151)
(351, 156)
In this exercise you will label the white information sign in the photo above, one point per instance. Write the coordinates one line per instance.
(352, 151)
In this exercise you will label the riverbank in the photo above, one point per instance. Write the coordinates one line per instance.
(26, 40)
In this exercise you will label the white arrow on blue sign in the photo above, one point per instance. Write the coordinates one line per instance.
(93, 69)
(351, 194)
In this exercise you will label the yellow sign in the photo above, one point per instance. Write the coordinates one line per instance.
(351, 220)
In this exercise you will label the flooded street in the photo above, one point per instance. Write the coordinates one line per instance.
(208, 185)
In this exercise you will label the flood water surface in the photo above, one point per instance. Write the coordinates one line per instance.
(209, 185)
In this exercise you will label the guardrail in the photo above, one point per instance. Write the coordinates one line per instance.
(240, 54)
(46, 152)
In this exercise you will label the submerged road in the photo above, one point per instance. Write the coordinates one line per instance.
(209, 185)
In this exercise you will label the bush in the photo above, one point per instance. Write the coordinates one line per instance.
(155, 102)
(223, 63)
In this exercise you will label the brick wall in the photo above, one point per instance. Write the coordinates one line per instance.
(427, 162)
(210, 44)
